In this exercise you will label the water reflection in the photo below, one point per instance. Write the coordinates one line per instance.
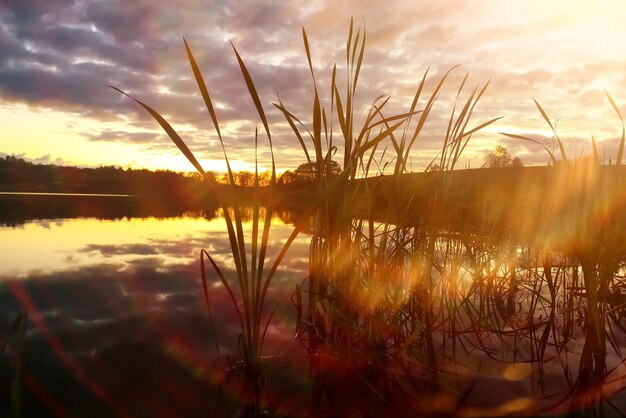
(118, 326)
(57, 244)
(425, 314)
(19, 208)
(117, 316)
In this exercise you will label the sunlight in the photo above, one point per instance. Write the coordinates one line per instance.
(402, 260)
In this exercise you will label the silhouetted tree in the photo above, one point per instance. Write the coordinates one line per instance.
(306, 173)
(245, 178)
(286, 178)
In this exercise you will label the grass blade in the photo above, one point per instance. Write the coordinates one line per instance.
(595, 149)
(525, 138)
(227, 286)
(620, 152)
(290, 118)
(170, 132)
(545, 116)
(203, 89)
(253, 94)
(558, 140)
(481, 126)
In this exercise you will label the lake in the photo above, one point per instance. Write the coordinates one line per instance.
(118, 325)
(117, 318)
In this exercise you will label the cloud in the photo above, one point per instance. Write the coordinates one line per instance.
(125, 21)
(44, 159)
(123, 136)
(111, 250)
(28, 11)
(63, 54)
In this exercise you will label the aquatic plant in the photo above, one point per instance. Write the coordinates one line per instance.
(367, 295)
(409, 276)
(252, 279)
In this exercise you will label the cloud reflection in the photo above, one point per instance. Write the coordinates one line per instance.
(101, 325)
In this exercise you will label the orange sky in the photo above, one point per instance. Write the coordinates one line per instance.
(58, 56)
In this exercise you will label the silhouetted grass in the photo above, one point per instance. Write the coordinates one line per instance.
(412, 277)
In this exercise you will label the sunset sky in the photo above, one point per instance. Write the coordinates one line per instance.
(58, 56)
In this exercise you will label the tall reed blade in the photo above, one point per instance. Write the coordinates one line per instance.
(209, 105)
(620, 152)
(556, 136)
(290, 120)
(170, 132)
(254, 95)
(595, 150)
(534, 141)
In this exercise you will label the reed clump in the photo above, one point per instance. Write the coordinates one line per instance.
(410, 288)
(248, 291)
(368, 320)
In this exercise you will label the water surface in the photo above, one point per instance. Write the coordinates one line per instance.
(117, 319)
(118, 324)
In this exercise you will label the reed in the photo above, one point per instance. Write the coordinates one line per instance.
(17, 380)
(371, 278)
(597, 254)
(247, 293)
(405, 285)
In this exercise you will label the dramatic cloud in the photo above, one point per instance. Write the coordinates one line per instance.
(62, 55)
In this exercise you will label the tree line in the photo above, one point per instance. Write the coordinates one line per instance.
(17, 174)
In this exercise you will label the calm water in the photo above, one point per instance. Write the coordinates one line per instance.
(118, 326)
(117, 320)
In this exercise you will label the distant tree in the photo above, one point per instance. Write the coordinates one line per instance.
(265, 178)
(208, 176)
(17, 174)
(222, 178)
(245, 178)
(286, 178)
(500, 157)
(305, 173)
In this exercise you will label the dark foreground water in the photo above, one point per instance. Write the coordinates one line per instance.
(118, 326)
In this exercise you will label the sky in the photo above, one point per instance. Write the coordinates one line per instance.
(58, 57)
